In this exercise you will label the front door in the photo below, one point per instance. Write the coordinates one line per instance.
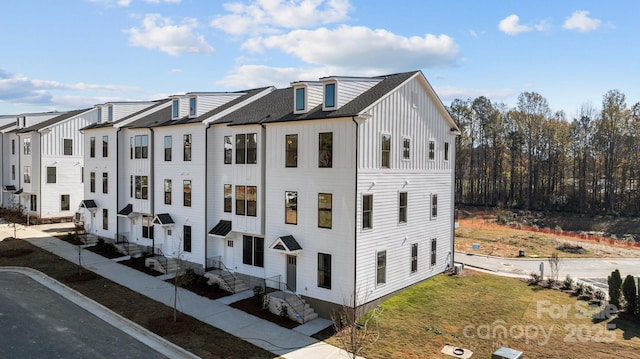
(291, 272)
(228, 259)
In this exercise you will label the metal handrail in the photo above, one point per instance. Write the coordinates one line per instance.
(122, 239)
(162, 259)
(216, 263)
(284, 288)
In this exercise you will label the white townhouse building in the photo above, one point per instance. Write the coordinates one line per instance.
(99, 205)
(12, 151)
(341, 187)
(179, 164)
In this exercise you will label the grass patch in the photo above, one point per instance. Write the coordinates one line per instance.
(418, 322)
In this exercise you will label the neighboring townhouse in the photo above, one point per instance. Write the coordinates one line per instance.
(52, 160)
(335, 189)
(13, 149)
(104, 151)
(179, 157)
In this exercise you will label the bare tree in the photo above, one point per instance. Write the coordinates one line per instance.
(356, 327)
(554, 264)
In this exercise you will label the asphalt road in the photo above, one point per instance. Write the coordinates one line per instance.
(36, 322)
(589, 269)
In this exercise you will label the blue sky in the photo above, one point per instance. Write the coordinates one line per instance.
(68, 54)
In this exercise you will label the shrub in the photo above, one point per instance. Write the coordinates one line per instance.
(534, 278)
(600, 295)
(615, 284)
(568, 283)
(284, 311)
(630, 294)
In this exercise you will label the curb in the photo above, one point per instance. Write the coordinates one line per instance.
(135, 330)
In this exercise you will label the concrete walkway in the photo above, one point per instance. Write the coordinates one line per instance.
(291, 344)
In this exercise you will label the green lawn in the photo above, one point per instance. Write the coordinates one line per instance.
(469, 312)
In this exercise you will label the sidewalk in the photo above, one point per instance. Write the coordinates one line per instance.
(291, 344)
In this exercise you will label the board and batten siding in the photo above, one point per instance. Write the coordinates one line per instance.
(347, 90)
(309, 180)
(178, 170)
(137, 167)
(407, 112)
(99, 165)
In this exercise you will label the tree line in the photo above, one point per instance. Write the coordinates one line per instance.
(530, 157)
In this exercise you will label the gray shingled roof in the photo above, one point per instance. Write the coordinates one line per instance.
(7, 126)
(355, 106)
(206, 115)
(110, 124)
(291, 243)
(88, 204)
(163, 219)
(221, 229)
(52, 121)
(273, 105)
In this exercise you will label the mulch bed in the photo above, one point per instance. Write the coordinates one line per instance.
(198, 284)
(70, 238)
(138, 264)
(251, 306)
(105, 251)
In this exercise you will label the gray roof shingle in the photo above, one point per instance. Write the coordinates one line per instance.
(52, 121)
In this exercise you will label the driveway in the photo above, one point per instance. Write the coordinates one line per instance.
(36, 322)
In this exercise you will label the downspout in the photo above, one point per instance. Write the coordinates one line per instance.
(206, 194)
(355, 219)
(39, 198)
(150, 191)
(117, 181)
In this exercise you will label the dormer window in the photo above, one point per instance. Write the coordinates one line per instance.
(99, 114)
(300, 99)
(192, 106)
(110, 113)
(175, 108)
(330, 95)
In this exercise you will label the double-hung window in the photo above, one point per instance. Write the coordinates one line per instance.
(446, 151)
(142, 187)
(65, 202)
(381, 267)
(105, 219)
(402, 207)
(434, 206)
(385, 151)
(92, 147)
(26, 143)
(141, 146)
(147, 227)
(186, 234)
(414, 257)
(27, 174)
(434, 246)
(92, 182)
(432, 150)
(167, 191)
(67, 145)
(325, 210)
(51, 174)
(105, 182)
(228, 150)
(228, 198)
(252, 201)
(367, 211)
(406, 148)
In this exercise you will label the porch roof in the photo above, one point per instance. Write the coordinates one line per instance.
(163, 219)
(286, 244)
(126, 211)
(88, 204)
(221, 229)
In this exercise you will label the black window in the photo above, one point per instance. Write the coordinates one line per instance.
(291, 151)
(187, 148)
(168, 144)
(187, 238)
(147, 227)
(33, 203)
(324, 210)
(446, 151)
(51, 174)
(406, 148)
(167, 191)
(402, 207)
(381, 267)
(291, 207)
(65, 202)
(105, 182)
(253, 251)
(228, 198)
(434, 206)
(92, 181)
(324, 270)
(142, 187)
(186, 190)
(141, 146)
(252, 148)
(13, 147)
(414, 257)
(105, 219)
(433, 251)
(432, 150)
(68, 147)
(240, 201)
(252, 201)
(385, 151)
(367, 211)
(241, 141)
(228, 150)
(105, 146)
(92, 147)
(325, 150)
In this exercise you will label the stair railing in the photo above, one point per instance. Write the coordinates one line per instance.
(216, 263)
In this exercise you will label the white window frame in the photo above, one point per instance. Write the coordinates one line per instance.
(384, 280)
(431, 155)
(433, 202)
(406, 208)
(446, 151)
(404, 139)
(370, 212)
(335, 95)
(382, 150)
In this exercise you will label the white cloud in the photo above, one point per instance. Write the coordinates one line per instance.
(16, 88)
(356, 47)
(124, 3)
(510, 25)
(160, 33)
(161, 1)
(581, 21)
(269, 16)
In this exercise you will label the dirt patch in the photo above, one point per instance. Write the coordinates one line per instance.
(254, 307)
(106, 250)
(198, 284)
(14, 253)
(81, 276)
(72, 239)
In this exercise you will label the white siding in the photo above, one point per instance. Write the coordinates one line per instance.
(124, 109)
(347, 90)
(206, 103)
(178, 170)
(309, 180)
